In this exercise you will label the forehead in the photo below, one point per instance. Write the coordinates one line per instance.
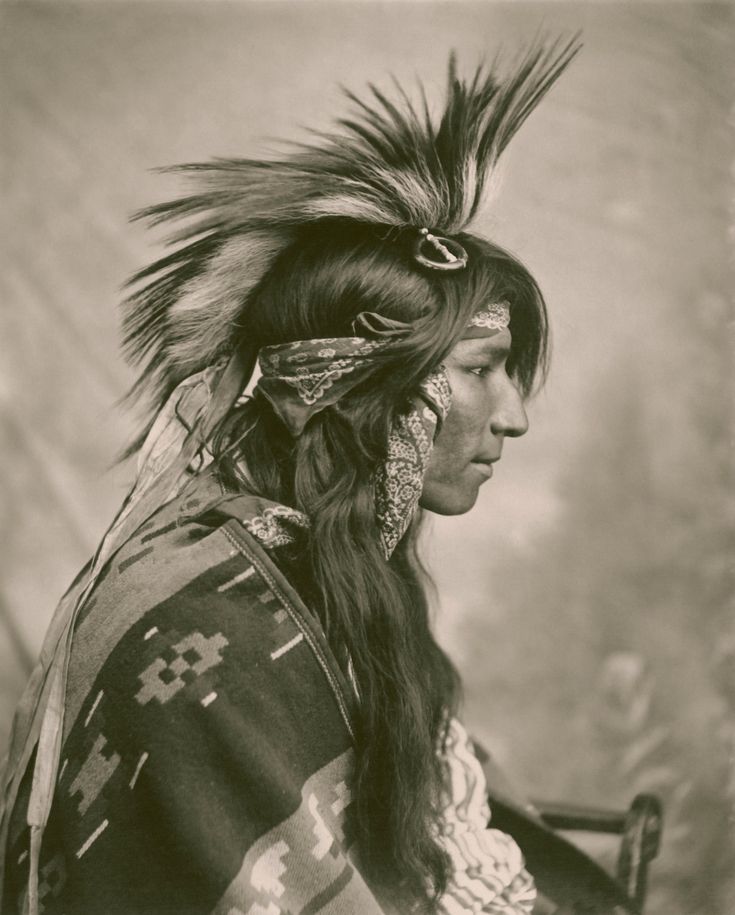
(495, 344)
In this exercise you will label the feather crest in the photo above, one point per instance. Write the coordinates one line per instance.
(387, 163)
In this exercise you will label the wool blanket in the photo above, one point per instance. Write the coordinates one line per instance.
(207, 747)
(207, 750)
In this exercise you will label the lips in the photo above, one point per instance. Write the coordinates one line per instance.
(484, 466)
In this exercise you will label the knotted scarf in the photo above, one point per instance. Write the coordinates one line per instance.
(304, 377)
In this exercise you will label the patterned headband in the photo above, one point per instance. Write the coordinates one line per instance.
(304, 377)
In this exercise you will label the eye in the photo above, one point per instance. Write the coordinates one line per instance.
(481, 370)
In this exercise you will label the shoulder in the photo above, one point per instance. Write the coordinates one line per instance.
(193, 598)
(202, 702)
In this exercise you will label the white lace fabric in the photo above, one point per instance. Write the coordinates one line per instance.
(494, 316)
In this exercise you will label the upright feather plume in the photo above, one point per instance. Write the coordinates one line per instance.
(388, 162)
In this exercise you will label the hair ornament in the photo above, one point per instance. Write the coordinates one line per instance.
(438, 253)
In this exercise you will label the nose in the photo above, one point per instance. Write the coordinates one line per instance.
(509, 417)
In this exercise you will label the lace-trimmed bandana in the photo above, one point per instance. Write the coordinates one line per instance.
(303, 377)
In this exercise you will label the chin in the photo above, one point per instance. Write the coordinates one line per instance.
(445, 500)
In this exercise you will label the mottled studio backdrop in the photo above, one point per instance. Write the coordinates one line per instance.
(586, 598)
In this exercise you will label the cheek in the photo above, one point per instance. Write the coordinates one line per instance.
(462, 432)
(450, 484)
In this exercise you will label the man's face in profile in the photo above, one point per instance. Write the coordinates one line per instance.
(486, 406)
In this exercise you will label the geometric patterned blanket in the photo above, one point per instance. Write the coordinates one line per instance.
(207, 748)
(206, 757)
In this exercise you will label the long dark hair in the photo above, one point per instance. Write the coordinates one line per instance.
(374, 612)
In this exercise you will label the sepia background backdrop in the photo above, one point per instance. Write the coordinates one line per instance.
(587, 599)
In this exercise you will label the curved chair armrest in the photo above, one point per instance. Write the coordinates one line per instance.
(580, 818)
(640, 827)
(640, 845)
(556, 863)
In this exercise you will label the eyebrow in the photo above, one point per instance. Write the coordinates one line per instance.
(485, 346)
